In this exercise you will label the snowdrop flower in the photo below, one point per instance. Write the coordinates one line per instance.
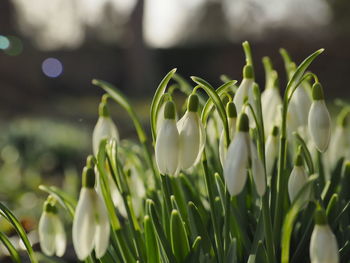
(232, 116)
(245, 89)
(52, 236)
(323, 244)
(91, 227)
(235, 168)
(319, 119)
(104, 128)
(167, 147)
(271, 150)
(302, 102)
(297, 180)
(191, 135)
(339, 145)
(270, 102)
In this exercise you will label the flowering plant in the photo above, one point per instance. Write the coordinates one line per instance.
(222, 185)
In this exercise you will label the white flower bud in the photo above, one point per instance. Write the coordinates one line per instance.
(245, 89)
(297, 179)
(270, 102)
(319, 120)
(91, 228)
(52, 235)
(302, 101)
(167, 148)
(271, 150)
(258, 170)
(222, 142)
(104, 128)
(323, 244)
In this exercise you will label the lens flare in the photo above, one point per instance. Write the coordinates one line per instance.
(4, 42)
(52, 67)
(15, 46)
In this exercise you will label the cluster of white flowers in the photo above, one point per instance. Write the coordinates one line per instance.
(179, 145)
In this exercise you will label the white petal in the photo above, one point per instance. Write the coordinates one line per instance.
(338, 146)
(60, 239)
(271, 152)
(323, 245)
(302, 101)
(104, 129)
(47, 233)
(320, 125)
(167, 148)
(297, 180)
(189, 132)
(84, 224)
(270, 101)
(242, 92)
(235, 168)
(102, 228)
(202, 140)
(257, 170)
(222, 142)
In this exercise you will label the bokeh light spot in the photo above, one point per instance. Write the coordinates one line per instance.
(52, 67)
(15, 46)
(4, 42)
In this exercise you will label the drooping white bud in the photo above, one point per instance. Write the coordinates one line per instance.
(245, 89)
(270, 102)
(104, 128)
(302, 101)
(52, 235)
(91, 228)
(271, 150)
(319, 119)
(297, 179)
(235, 166)
(339, 146)
(191, 135)
(323, 244)
(167, 148)
(258, 170)
(232, 116)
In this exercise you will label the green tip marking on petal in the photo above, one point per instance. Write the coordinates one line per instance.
(248, 72)
(317, 92)
(275, 131)
(193, 103)
(231, 110)
(320, 216)
(169, 110)
(243, 123)
(88, 177)
(50, 207)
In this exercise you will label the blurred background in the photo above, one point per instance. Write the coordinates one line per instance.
(51, 50)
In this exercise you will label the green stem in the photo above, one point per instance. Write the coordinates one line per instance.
(208, 184)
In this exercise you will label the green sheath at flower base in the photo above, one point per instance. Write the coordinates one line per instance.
(169, 110)
(298, 159)
(103, 109)
(243, 123)
(88, 177)
(50, 208)
(231, 110)
(193, 103)
(320, 217)
(90, 161)
(317, 92)
(248, 72)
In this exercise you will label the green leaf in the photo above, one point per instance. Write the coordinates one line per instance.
(153, 255)
(156, 100)
(290, 218)
(179, 240)
(10, 217)
(10, 248)
(306, 153)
